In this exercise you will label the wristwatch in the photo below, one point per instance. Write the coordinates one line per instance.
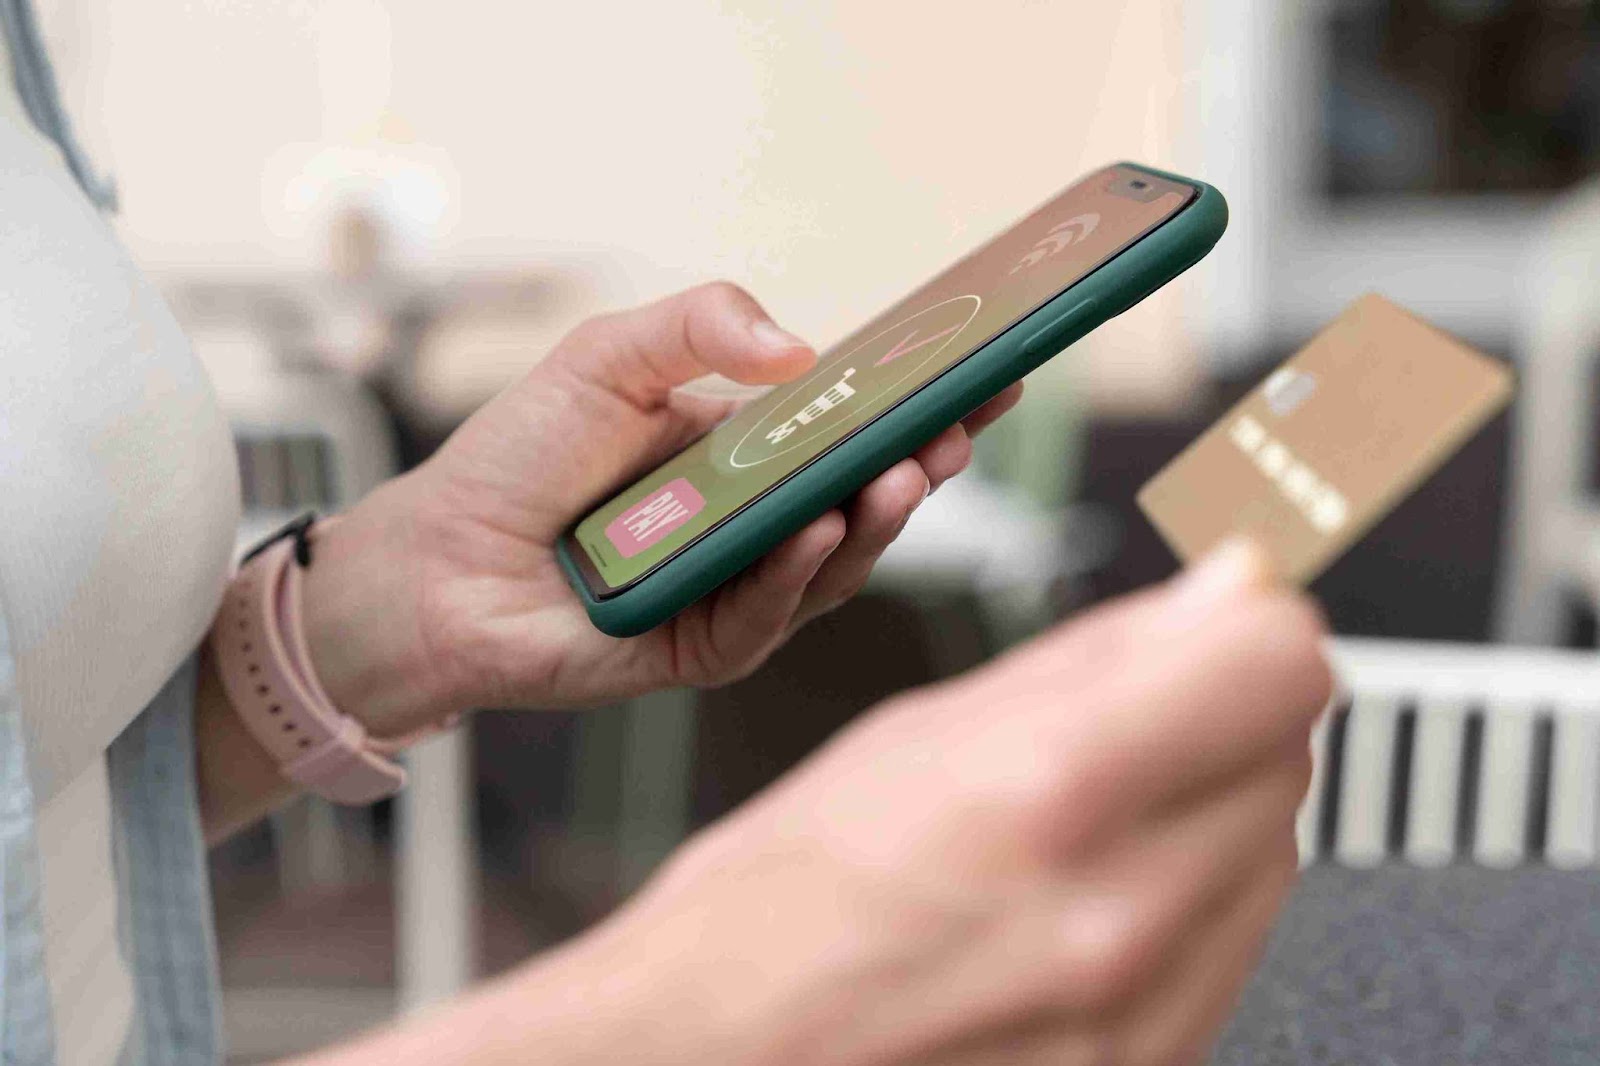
(258, 641)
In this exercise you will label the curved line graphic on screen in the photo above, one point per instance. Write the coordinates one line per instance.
(831, 368)
(1061, 235)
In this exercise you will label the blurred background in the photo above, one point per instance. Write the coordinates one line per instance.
(372, 214)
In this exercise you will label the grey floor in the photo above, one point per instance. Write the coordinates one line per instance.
(1407, 966)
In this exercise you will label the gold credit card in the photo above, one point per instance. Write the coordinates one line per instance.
(1330, 442)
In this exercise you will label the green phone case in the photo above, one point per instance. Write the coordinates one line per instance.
(1122, 282)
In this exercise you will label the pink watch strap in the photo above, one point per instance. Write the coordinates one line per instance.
(259, 643)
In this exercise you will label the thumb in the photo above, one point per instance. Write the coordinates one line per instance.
(644, 353)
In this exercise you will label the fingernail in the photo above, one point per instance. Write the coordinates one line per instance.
(905, 520)
(1221, 575)
(772, 338)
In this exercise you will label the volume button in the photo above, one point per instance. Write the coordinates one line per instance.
(1052, 337)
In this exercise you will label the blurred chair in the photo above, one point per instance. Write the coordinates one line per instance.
(1447, 752)
(1554, 523)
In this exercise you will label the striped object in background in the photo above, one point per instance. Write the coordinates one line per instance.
(1457, 753)
(288, 470)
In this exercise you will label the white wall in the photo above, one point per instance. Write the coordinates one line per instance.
(828, 154)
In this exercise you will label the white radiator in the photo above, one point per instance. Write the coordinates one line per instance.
(1457, 753)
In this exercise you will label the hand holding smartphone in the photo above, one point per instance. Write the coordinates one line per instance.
(1085, 256)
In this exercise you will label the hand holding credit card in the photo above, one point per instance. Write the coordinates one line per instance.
(1330, 442)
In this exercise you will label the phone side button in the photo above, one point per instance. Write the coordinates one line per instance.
(1052, 337)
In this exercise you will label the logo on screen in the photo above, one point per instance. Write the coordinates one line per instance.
(835, 395)
(1074, 230)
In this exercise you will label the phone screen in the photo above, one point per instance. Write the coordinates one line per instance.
(865, 375)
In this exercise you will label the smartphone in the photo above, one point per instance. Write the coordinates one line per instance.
(1088, 254)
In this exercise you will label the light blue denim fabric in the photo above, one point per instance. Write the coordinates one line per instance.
(26, 1032)
(36, 84)
(164, 914)
(164, 904)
